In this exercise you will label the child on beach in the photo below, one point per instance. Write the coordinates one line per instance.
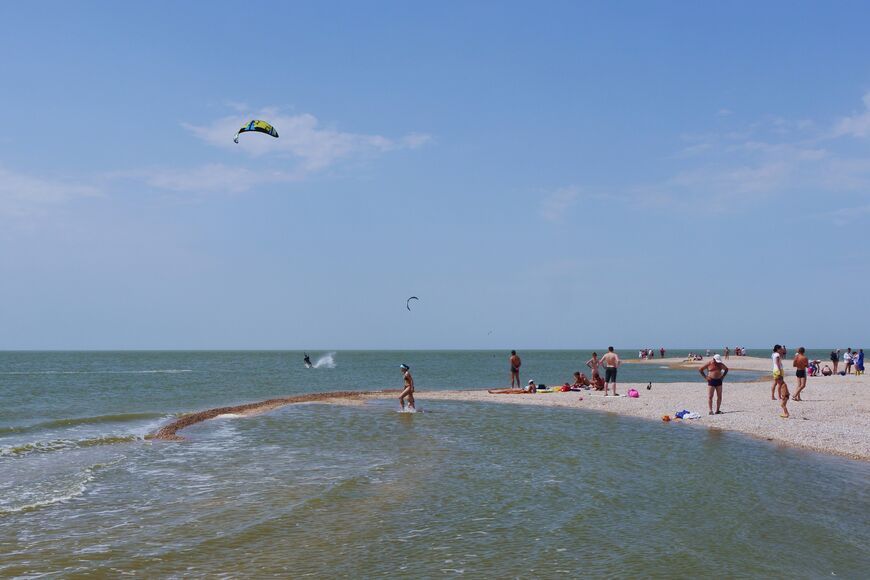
(779, 381)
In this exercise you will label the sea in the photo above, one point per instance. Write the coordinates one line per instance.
(364, 491)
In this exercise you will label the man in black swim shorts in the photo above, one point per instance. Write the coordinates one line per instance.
(714, 372)
(610, 362)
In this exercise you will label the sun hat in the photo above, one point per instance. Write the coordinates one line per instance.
(717, 358)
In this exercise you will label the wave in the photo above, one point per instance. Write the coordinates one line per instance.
(144, 372)
(63, 444)
(45, 493)
(76, 421)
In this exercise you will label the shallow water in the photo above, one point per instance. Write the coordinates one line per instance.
(324, 490)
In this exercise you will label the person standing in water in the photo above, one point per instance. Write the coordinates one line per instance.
(611, 363)
(515, 363)
(714, 372)
(779, 381)
(800, 363)
(408, 390)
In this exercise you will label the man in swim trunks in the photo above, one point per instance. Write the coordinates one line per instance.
(515, 363)
(714, 372)
(800, 363)
(611, 363)
(408, 391)
(779, 381)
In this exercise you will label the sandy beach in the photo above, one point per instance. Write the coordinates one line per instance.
(834, 416)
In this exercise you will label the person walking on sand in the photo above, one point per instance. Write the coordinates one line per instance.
(611, 363)
(800, 363)
(835, 359)
(779, 381)
(727, 352)
(515, 363)
(408, 390)
(714, 373)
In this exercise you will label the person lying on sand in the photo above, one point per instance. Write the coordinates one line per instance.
(530, 389)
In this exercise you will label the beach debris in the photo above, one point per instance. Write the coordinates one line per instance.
(408, 302)
(649, 386)
(256, 126)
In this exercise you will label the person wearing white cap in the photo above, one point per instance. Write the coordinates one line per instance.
(714, 372)
(531, 387)
(408, 391)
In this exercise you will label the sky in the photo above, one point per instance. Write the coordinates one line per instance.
(539, 174)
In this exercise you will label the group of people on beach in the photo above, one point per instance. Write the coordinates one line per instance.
(714, 373)
(647, 353)
(610, 362)
(852, 360)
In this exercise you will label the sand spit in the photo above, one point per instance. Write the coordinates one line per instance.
(834, 416)
(170, 432)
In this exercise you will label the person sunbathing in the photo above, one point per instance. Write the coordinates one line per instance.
(580, 380)
(530, 389)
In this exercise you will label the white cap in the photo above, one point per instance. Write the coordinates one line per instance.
(531, 381)
(717, 358)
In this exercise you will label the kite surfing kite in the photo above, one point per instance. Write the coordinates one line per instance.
(408, 302)
(258, 127)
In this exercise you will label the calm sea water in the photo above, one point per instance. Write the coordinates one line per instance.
(327, 490)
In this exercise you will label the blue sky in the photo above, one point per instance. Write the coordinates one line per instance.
(541, 175)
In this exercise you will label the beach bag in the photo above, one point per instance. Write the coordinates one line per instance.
(633, 393)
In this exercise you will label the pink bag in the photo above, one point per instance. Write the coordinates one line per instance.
(633, 393)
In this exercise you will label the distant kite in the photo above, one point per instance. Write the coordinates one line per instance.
(408, 302)
(257, 127)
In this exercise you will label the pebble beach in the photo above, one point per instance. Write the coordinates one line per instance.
(834, 416)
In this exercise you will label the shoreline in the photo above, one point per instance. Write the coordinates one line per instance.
(834, 417)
